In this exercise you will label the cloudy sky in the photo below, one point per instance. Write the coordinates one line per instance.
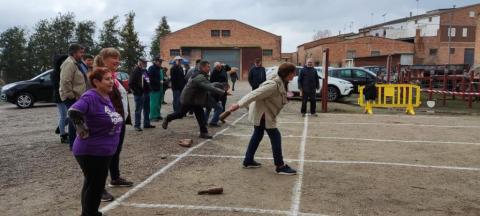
(294, 20)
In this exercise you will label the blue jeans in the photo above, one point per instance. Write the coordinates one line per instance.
(217, 110)
(62, 117)
(176, 100)
(142, 102)
(275, 140)
(72, 133)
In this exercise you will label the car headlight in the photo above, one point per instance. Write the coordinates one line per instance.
(344, 82)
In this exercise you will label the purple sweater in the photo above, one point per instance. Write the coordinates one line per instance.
(104, 125)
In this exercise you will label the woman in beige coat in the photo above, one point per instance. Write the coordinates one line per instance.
(264, 104)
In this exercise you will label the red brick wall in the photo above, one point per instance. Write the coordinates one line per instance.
(363, 47)
(242, 35)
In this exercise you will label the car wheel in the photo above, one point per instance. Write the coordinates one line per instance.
(333, 93)
(24, 100)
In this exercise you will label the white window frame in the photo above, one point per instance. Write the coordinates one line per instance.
(471, 14)
(465, 32)
(452, 32)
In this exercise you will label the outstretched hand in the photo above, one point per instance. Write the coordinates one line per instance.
(234, 107)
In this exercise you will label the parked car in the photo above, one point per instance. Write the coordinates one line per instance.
(25, 93)
(123, 78)
(357, 76)
(337, 88)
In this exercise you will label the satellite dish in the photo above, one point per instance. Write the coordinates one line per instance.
(431, 104)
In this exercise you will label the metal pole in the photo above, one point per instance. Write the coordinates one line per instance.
(325, 81)
(471, 90)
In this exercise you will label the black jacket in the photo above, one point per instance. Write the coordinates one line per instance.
(177, 77)
(256, 76)
(197, 89)
(308, 80)
(219, 76)
(137, 83)
(154, 75)
(55, 77)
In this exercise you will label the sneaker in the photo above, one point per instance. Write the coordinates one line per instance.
(138, 129)
(314, 115)
(285, 170)
(206, 136)
(149, 126)
(57, 131)
(214, 125)
(106, 197)
(252, 164)
(120, 182)
(64, 138)
(165, 124)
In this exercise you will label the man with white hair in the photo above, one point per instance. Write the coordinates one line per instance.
(219, 75)
(308, 83)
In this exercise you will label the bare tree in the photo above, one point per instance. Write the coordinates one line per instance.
(322, 34)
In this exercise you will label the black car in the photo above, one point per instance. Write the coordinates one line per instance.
(357, 76)
(25, 93)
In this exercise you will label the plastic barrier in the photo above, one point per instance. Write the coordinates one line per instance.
(392, 96)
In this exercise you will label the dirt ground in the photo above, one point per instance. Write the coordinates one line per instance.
(348, 163)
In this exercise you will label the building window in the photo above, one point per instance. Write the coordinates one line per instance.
(215, 33)
(464, 32)
(174, 52)
(225, 33)
(375, 53)
(376, 34)
(430, 19)
(384, 33)
(186, 52)
(471, 14)
(433, 52)
(267, 52)
(452, 32)
(452, 50)
(351, 54)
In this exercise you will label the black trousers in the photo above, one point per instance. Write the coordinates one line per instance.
(309, 96)
(72, 132)
(115, 164)
(95, 171)
(199, 115)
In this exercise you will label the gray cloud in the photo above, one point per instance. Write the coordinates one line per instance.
(295, 21)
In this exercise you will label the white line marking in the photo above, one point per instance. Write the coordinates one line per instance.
(384, 115)
(385, 124)
(297, 188)
(364, 139)
(129, 193)
(346, 162)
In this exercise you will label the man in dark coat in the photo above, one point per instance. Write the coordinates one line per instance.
(219, 75)
(257, 75)
(177, 77)
(139, 84)
(195, 97)
(308, 83)
(156, 83)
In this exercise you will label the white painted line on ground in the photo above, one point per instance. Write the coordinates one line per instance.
(297, 188)
(129, 193)
(344, 162)
(379, 115)
(214, 208)
(385, 124)
(371, 140)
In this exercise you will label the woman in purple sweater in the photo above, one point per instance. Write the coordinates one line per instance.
(98, 131)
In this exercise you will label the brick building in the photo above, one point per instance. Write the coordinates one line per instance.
(430, 33)
(344, 48)
(227, 41)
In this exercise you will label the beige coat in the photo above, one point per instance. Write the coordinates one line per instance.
(72, 80)
(268, 99)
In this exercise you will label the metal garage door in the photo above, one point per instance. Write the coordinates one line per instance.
(226, 56)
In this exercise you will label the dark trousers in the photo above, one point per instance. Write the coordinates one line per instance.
(142, 103)
(176, 100)
(224, 103)
(72, 133)
(309, 96)
(199, 115)
(233, 85)
(115, 164)
(275, 140)
(95, 171)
